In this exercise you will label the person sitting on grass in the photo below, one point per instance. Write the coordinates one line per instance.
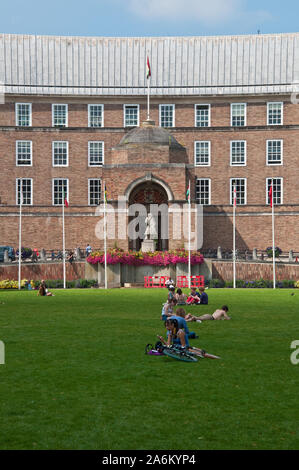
(180, 297)
(177, 336)
(180, 315)
(167, 309)
(204, 299)
(220, 314)
(171, 293)
(43, 291)
(194, 297)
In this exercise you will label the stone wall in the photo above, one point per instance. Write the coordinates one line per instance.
(247, 271)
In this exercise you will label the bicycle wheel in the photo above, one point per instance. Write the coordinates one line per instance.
(179, 355)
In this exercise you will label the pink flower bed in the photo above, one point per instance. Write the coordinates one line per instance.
(137, 258)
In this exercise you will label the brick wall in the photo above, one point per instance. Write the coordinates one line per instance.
(38, 271)
(254, 271)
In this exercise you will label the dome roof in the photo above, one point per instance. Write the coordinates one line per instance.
(148, 133)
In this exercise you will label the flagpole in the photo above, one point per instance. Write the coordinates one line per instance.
(105, 236)
(63, 242)
(189, 237)
(273, 237)
(234, 239)
(148, 99)
(20, 234)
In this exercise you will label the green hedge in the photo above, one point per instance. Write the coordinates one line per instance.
(259, 284)
(78, 284)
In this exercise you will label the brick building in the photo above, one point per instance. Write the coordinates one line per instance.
(223, 111)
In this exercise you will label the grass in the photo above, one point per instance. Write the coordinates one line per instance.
(76, 376)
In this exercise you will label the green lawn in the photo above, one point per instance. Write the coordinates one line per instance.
(76, 376)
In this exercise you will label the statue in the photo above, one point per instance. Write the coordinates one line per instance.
(151, 232)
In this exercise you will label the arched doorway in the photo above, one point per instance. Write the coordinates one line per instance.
(150, 193)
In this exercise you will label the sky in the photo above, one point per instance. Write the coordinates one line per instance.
(127, 18)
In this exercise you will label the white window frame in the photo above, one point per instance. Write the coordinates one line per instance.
(89, 121)
(160, 114)
(67, 190)
(267, 192)
(16, 113)
(67, 153)
(195, 120)
(231, 191)
(66, 114)
(94, 179)
(103, 151)
(31, 157)
(138, 113)
(210, 186)
(31, 187)
(268, 106)
(281, 146)
(245, 113)
(231, 153)
(209, 147)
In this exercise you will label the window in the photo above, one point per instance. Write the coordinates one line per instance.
(274, 152)
(274, 114)
(238, 114)
(203, 191)
(202, 115)
(202, 153)
(131, 115)
(238, 152)
(241, 196)
(60, 153)
(59, 115)
(94, 192)
(277, 190)
(60, 191)
(23, 114)
(24, 152)
(95, 153)
(95, 115)
(166, 115)
(26, 185)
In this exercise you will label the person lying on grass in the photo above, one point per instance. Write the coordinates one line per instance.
(220, 314)
(177, 336)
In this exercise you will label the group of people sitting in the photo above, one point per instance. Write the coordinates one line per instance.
(176, 321)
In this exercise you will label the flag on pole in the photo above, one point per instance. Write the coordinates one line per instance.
(148, 68)
(65, 199)
(188, 193)
(271, 195)
(105, 193)
(235, 196)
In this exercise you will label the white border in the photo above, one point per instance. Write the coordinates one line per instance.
(231, 197)
(210, 186)
(124, 113)
(245, 153)
(31, 198)
(31, 156)
(173, 107)
(67, 191)
(231, 114)
(209, 121)
(274, 164)
(275, 102)
(16, 114)
(67, 153)
(88, 111)
(103, 152)
(66, 114)
(202, 164)
(88, 196)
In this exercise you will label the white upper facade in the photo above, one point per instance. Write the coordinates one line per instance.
(52, 65)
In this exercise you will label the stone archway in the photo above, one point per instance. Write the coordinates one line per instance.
(148, 193)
